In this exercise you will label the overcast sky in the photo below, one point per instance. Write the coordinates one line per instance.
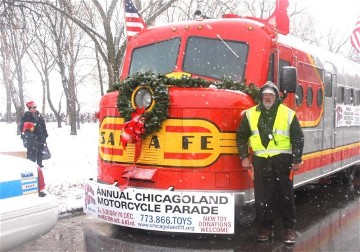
(338, 14)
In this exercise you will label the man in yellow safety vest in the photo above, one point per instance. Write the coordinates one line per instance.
(273, 132)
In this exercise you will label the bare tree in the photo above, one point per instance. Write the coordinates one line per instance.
(353, 55)
(6, 71)
(110, 47)
(14, 45)
(93, 20)
(68, 44)
(41, 53)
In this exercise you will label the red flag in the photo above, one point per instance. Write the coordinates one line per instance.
(134, 22)
(280, 19)
(355, 36)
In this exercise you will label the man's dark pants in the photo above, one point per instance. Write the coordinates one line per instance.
(274, 192)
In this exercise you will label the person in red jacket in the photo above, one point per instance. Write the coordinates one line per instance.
(33, 116)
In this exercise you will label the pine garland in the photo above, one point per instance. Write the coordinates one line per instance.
(159, 84)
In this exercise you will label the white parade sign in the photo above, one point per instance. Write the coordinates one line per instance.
(347, 115)
(161, 210)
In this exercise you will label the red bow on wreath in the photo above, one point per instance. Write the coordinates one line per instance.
(132, 132)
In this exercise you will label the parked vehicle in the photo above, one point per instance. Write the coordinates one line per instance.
(24, 215)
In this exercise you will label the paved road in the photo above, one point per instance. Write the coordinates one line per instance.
(328, 220)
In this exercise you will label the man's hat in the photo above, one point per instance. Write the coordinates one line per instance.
(28, 125)
(269, 88)
(30, 104)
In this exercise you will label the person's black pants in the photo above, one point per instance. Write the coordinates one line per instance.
(35, 154)
(32, 154)
(39, 155)
(274, 192)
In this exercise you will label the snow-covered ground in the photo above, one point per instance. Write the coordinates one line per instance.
(74, 160)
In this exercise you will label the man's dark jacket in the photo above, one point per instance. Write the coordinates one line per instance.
(40, 126)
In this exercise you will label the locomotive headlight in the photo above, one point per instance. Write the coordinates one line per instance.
(142, 97)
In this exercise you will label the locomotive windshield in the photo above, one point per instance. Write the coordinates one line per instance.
(158, 58)
(213, 58)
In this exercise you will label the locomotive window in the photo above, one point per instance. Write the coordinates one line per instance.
(357, 99)
(328, 84)
(158, 58)
(282, 63)
(309, 96)
(299, 95)
(319, 97)
(215, 58)
(349, 96)
(339, 95)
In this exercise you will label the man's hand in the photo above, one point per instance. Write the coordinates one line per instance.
(246, 164)
(295, 167)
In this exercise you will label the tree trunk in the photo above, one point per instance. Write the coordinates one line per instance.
(5, 67)
(98, 64)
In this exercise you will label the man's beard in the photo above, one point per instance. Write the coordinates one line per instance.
(268, 105)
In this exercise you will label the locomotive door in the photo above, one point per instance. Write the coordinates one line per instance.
(328, 138)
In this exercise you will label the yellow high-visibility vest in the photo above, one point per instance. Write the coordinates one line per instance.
(280, 134)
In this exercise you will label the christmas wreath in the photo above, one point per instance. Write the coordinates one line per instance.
(158, 84)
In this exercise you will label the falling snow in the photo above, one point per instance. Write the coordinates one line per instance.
(74, 160)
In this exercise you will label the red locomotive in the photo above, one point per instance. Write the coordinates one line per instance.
(168, 159)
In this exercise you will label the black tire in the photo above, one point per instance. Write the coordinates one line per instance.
(350, 174)
(245, 215)
(346, 176)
